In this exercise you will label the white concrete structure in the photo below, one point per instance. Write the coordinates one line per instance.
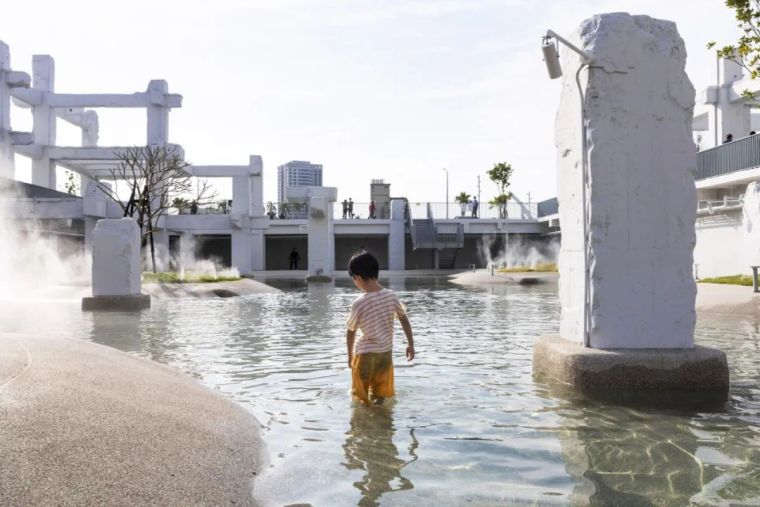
(116, 263)
(641, 196)
(242, 235)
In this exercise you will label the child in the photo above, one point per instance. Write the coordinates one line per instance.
(370, 357)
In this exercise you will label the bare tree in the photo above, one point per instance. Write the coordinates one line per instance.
(153, 175)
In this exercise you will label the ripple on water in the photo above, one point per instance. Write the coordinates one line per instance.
(469, 423)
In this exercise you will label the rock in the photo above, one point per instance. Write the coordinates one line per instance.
(641, 201)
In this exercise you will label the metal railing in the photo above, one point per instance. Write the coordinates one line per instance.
(287, 210)
(713, 207)
(360, 211)
(727, 158)
(513, 210)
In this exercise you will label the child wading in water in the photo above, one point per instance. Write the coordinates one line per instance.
(370, 357)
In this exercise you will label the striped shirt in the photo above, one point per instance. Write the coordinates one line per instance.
(373, 314)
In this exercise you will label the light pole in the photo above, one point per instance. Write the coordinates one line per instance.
(551, 57)
(447, 192)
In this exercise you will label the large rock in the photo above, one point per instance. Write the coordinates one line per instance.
(116, 268)
(641, 200)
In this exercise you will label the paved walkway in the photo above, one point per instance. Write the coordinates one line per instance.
(84, 424)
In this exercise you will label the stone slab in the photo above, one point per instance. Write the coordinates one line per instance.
(644, 371)
(129, 303)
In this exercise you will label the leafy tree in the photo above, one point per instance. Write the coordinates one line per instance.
(153, 174)
(500, 175)
(746, 50)
(462, 198)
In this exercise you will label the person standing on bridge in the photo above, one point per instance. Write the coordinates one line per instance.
(475, 204)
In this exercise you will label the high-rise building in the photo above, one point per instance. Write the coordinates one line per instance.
(297, 173)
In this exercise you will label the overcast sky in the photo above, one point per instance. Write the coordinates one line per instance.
(393, 89)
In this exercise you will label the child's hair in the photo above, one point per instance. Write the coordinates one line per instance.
(363, 265)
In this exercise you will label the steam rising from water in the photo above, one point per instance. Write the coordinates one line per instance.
(33, 263)
(518, 252)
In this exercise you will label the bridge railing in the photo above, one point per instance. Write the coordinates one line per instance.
(730, 157)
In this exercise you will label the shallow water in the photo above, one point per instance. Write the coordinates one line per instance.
(469, 423)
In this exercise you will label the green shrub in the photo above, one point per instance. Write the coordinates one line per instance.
(190, 277)
(729, 280)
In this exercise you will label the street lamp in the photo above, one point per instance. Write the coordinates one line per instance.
(549, 45)
(447, 192)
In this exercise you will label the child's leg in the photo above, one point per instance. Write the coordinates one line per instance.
(360, 379)
(382, 379)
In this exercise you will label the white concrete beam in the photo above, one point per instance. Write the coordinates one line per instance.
(139, 99)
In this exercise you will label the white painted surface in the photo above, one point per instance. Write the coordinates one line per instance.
(718, 251)
(396, 237)
(642, 200)
(116, 269)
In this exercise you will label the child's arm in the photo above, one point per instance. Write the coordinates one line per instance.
(350, 335)
(404, 320)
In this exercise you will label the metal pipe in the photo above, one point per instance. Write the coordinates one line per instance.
(584, 178)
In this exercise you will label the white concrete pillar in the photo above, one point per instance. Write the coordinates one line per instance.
(241, 196)
(43, 120)
(7, 163)
(158, 114)
(641, 198)
(241, 250)
(258, 250)
(396, 237)
(321, 239)
(256, 171)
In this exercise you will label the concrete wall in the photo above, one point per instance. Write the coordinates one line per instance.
(346, 246)
(719, 244)
(278, 250)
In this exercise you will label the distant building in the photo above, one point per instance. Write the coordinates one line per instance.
(380, 193)
(297, 173)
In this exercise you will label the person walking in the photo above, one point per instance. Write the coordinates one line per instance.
(345, 208)
(475, 204)
(372, 209)
(350, 208)
(294, 258)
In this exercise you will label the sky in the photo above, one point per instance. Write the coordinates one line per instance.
(392, 89)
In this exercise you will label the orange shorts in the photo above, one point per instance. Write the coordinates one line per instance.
(372, 373)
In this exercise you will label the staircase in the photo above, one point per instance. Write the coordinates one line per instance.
(425, 234)
(447, 258)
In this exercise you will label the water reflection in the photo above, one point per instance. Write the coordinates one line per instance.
(488, 432)
(369, 447)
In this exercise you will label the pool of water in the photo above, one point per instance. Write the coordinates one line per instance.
(469, 423)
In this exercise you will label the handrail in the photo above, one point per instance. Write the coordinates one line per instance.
(730, 157)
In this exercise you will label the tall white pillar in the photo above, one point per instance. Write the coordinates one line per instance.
(396, 237)
(641, 197)
(43, 120)
(241, 250)
(258, 249)
(7, 164)
(158, 113)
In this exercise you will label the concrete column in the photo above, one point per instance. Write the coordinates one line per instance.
(641, 199)
(258, 250)
(241, 196)
(7, 164)
(43, 120)
(158, 114)
(241, 251)
(256, 181)
(321, 237)
(396, 237)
